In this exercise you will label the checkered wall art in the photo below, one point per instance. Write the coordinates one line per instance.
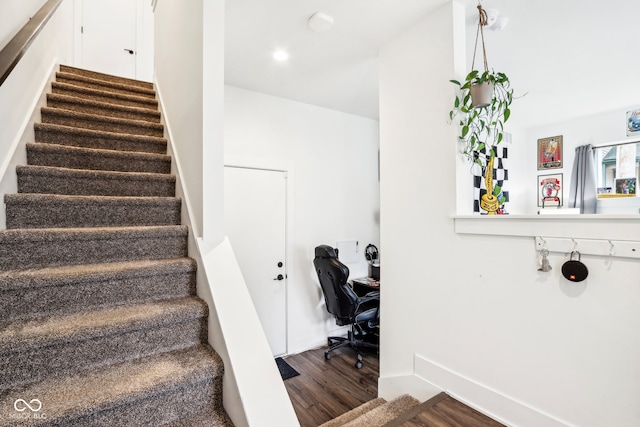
(500, 177)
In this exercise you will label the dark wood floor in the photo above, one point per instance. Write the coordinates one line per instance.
(326, 389)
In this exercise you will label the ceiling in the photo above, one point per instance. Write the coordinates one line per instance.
(551, 50)
(336, 69)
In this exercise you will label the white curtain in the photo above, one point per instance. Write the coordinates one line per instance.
(582, 193)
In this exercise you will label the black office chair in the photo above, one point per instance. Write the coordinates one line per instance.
(360, 313)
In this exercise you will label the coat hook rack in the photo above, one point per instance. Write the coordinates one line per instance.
(596, 247)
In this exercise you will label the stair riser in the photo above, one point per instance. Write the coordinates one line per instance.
(65, 215)
(83, 186)
(68, 160)
(132, 128)
(22, 304)
(167, 407)
(111, 98)
(105, 86)
(105, 77)
(26, 367)
(15, 255)
(150, 117)
(104, 142)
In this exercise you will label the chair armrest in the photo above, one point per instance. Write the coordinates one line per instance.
(369, 297)
(369, 300)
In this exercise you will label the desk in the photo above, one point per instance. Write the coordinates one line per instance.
(364, 285)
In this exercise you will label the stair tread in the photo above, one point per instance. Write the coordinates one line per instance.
(41, 210)
(71, 397)
(80, 79)
(384, 413)
(138, 155)
(68, 274)
(58, 97)
(87, 173)
(60, 112)
(22, 335)
(354, 413)
(96, 158)
(91, 233)
(209, 419)
(58, 87)
(106, 200)
(25, 248)
(108, 77)
(97, 133)
(50, 133)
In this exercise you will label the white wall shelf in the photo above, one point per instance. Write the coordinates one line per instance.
(588, 226)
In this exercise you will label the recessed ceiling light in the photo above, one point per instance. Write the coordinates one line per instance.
(280, 55)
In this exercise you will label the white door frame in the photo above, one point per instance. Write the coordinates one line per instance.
(289, 259)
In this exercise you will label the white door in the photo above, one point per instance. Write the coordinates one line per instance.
(109, 36)
(255, 222)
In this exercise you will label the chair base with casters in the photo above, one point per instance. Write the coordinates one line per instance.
(355, 340)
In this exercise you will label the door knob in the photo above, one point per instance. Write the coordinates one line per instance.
(280, 277)
(130, 51)
(280, 264)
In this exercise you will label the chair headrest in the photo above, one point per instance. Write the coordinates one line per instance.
(325, 251)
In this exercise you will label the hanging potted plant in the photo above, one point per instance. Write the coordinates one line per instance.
(482, 106)
(482, 123)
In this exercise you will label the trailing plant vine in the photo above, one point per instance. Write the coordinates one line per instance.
(482, 128)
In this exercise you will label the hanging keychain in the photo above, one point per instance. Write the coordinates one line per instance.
(545, 262)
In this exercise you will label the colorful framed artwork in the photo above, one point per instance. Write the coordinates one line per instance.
(626, 186)
(550, 190)
(550, 153)
(633, 123)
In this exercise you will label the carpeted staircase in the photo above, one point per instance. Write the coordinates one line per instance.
(99, 321)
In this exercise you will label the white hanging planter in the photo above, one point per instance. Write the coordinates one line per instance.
(481, 94)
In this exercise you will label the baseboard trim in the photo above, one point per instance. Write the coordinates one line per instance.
(391, 387)
(482, 398)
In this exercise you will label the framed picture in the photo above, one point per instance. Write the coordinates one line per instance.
(626, 186)
(550, 153)
(633, 122)
(550, 190)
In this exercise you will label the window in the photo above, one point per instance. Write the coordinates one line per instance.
(618, 170)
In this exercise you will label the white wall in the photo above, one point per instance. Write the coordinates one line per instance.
(417, 195)
(179, 79)
(526, 346)
(189, 56)
(21, 93)
(213, 16)
(332, 160)
(14, 14)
